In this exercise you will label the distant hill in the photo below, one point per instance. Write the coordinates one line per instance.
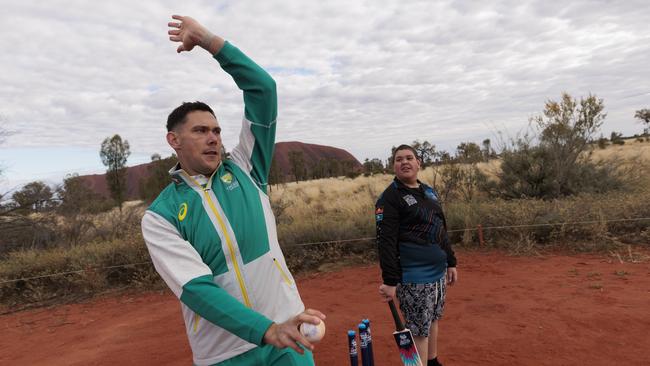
(97, 182)
(312, 154)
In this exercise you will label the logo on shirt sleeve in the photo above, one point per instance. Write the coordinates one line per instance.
(182, 212)
(379, 214)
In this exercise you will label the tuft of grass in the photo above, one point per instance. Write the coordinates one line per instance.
(621, 273)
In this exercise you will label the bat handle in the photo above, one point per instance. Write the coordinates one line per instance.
(398, 321)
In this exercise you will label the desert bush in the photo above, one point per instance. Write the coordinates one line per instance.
(35, 231)
(335, 218)
(76, 271)
(76, 198)
(553, 160)
(158, 179)
(602, 143)
(586, 218)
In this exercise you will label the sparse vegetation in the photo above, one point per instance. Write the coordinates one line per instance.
(331, 219)
(114, 153)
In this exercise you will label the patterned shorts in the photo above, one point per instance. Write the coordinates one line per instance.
(421, 304)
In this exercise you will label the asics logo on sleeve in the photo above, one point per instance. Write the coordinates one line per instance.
(182, 212)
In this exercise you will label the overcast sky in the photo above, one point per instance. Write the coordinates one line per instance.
(359, 75)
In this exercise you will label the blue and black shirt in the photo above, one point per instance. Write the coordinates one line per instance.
(412, 235)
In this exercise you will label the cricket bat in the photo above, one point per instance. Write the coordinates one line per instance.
(404, 339)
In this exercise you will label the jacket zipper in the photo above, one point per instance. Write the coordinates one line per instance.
(231, 249)
(284, 275)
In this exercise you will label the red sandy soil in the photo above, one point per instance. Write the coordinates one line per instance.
(549, 310)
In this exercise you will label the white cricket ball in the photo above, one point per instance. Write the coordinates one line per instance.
(313, 333)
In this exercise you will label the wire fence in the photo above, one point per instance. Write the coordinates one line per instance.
(478, 228)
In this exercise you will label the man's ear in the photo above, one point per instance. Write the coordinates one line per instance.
(173, 140)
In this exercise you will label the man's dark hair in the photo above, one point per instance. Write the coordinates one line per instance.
(178, 115)
(403, 147)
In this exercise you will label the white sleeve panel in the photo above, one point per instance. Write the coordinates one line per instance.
(241, 154)
(175, 259)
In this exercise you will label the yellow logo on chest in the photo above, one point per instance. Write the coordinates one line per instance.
(226, 178)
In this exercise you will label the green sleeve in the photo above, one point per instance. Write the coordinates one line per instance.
(214, 304)
(260, 108)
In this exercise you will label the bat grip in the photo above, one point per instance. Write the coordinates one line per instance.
(398, 321)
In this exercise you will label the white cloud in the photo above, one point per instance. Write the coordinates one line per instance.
(358, 75)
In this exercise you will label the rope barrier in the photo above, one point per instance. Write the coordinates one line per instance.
(551, 224)
(342, 241)
(73, 272)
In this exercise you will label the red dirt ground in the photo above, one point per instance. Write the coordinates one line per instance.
(550, 310)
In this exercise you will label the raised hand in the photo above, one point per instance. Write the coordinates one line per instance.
(191, 33)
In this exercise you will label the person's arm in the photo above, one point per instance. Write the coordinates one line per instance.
(452, 273)
(257, 137)
(191, 280)
(254, 152)
(387, 225)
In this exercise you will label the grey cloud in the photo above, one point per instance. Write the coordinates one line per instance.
(387, 71)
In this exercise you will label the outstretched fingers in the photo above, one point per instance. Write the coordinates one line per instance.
(175, 34)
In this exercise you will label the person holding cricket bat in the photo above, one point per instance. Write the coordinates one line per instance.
(416, 258)
(211, 233)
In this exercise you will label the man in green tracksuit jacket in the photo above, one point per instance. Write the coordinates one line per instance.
(211, 233)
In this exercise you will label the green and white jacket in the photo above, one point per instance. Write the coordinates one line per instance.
(213, 239)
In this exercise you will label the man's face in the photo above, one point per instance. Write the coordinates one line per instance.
(406, 166)
(197, 143)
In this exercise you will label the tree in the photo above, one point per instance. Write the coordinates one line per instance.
(487, 150)
(35, 196)
(319, 170)
(77, 204)
(468, 152)
(77, 198)
(114, 153)
(425, 151)
(297, 163)
(644, 116)
(334, 168)
(373, 166)
(275, 174)
(443, 157)
(158, 178)
(348, 169)
(553, 162)
(616, 138)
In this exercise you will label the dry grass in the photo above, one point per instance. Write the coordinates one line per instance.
(632, 151)
(337, 209)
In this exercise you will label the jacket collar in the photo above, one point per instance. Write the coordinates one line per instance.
(179, 176)
(398, 183)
